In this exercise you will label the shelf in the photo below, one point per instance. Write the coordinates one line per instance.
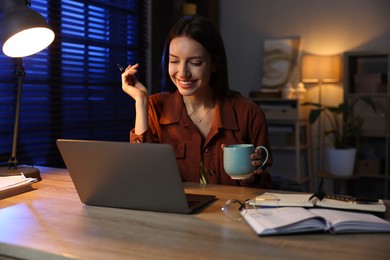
(304, 180)
(367, 74)
(375, 134)
(372, 176)
(289, 134)
(374, 95)
(327, 175)
(289, 148)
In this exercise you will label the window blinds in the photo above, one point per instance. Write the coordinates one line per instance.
(72, 89)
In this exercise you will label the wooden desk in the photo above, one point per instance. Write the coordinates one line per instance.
(51, 223)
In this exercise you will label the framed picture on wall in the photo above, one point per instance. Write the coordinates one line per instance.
(281, 58)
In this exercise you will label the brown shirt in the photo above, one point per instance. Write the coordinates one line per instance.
(236, 120)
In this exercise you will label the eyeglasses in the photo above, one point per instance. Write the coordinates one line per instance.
(265, 204)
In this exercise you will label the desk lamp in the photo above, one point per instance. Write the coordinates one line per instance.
(23, 32)
(320, 69)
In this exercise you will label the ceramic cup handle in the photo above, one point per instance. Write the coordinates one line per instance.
(266, 156)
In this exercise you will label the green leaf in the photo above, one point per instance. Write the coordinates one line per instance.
(351, 127)
(369, 102)
(311, 104)
(314, 115)
(338, 110)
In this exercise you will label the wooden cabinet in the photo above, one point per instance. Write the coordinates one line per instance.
(290, 138)
(367, 74)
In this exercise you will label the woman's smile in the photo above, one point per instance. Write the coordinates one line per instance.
(187, 83)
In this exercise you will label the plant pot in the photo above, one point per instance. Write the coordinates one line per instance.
(341, 162)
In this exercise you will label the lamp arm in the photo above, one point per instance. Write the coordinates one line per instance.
(13, 161)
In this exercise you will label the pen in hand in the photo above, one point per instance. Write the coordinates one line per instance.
(120, 68)
(130, 78)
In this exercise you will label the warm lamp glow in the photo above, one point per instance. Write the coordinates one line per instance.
(189, 9)
(316, 68)
(28, 42)
(23, 31)
(320, 69)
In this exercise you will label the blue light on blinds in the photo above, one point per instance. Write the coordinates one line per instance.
(72, 89)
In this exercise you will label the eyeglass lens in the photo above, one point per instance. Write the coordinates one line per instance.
(233, 209)
(265, 204)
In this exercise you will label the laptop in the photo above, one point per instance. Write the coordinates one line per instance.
(128, 175)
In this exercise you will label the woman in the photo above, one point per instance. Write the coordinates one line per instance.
(197, 113)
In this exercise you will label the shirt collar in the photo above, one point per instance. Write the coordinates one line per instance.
(225, 116)
(174, 112)
(173, 109)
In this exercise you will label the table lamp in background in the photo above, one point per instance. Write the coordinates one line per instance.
(320, 69)
(23, 32)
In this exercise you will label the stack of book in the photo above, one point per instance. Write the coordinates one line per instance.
(298, 213)
(13, 185)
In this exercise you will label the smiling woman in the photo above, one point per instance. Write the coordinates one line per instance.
(197, 113)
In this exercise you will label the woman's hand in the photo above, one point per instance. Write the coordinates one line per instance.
(132, 86)
(257, 160)
(136, 90)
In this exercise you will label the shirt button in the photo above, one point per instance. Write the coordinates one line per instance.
(207, 150)
(212, 172)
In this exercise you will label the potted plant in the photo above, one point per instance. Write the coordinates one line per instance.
(346, 126)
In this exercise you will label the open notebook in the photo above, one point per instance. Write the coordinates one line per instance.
(293, 220)
(302, 200)
(125, 175)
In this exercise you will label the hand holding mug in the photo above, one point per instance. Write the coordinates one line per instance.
(257, 158)
(238, 160)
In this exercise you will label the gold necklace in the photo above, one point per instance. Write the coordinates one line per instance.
(200, 119)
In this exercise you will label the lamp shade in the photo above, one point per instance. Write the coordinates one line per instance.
(315, 68)
(23, 31)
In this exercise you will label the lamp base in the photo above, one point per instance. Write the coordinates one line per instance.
(28, 171)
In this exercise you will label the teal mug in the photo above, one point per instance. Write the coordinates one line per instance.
(237, 162)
